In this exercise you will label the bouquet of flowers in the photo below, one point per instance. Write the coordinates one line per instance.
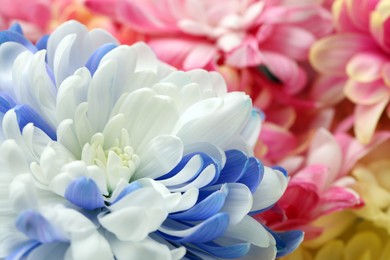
(207, 129)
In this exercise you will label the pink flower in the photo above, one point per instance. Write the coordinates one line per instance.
(319, 184)
(191, 34)
(357, 60)
(34, 16)
(39, 17)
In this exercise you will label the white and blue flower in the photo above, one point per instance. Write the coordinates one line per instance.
(107, 153)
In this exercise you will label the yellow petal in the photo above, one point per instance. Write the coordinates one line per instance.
(334, 225)
(332, 251)
(363, 246)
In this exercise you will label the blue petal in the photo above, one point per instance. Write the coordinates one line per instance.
(254, 172)
(36, 227)
(93, 62)
(16, 28)
(206, 161)
(11, 36)
(234, 167)
(129, 189)
(204, 209)
(209, 230)
(84, 193)
(281, 169)
(226, 252)
(25, 115)
(23, 250)
(6, 102)
(286, 242)
(42, 42)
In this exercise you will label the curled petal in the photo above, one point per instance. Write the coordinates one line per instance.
(367, 117)
(366, 67)
(331, 55)
(271, 188)
(369, 93)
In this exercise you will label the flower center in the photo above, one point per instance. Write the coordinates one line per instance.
(116, 158)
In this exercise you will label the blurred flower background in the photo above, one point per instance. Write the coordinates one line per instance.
(319, 72)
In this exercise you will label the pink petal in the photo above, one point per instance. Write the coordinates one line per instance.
(292, 201)
(330, 55)
(107, 7)
(353, 150)
(181, 55)
(328, 89)
(366, 93)
(325, 150)
(366, 66)
(246, 55)
(386, 74)
(339, 198)
(200, 56)
(283, 117)
(342, 19)
(311, 17)
(315, 174)
(278, 141)
(286, 70)
(284, 41)
(367, 117)
(142, 18)
(363, 8)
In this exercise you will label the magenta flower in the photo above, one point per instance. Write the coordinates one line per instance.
(320, 183)
(192, 34)
(357, 60)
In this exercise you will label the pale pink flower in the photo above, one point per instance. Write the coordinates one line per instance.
(356, 60)
(34, 16)
(40, 17)
(320, 183)
(238, 33)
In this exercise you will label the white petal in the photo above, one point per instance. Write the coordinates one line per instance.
(131, 219)
(22, 192)
(187, 173)
(174, 202)
(48, 251)
(156, 117)
(145, 249)
(238, 202)
(90, 246)
(249, 230)
(8, 53)
(159, 156)
(13, 159)
(66, 135)
(72, 91)
(70, 46)
(214, 120)
(100, 95)
(202, 180)
(271, 188)
(76, 169)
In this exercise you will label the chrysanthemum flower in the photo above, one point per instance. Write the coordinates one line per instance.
(357, 60)
(105, 153)
(240, 34)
